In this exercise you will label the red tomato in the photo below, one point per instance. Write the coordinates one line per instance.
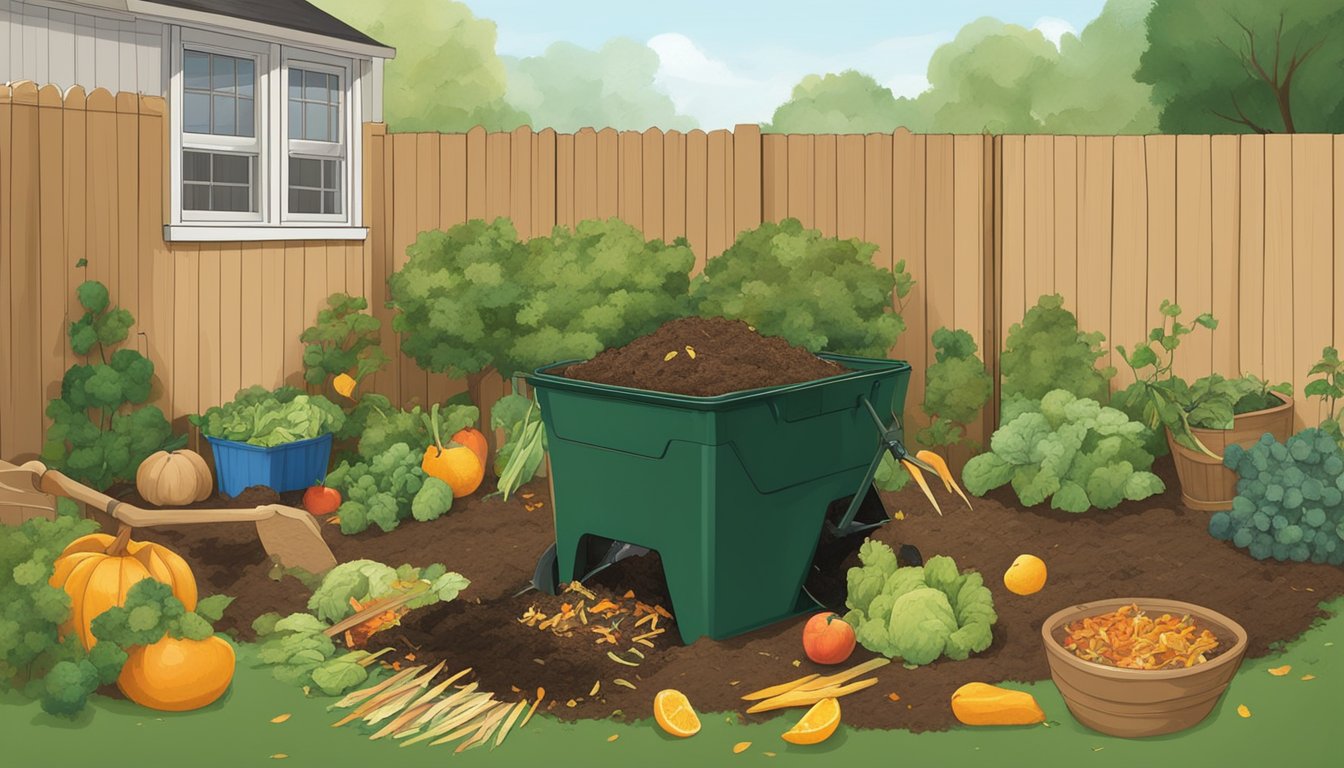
(827, 639)
(321, 500)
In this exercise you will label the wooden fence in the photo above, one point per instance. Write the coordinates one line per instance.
(1249, 227)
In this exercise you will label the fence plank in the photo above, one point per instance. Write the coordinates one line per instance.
(208, 369)
(476, 192)
(1015, 259)
(608, 174)
(497, 178)
(651, 161)
(25, 373)
(674, 185)
(1313, 258)
(294, 321)
(251, 326)
(824, 184)
(877, 192)
(102, 191)
(849, 161)
(1279, 268)
(1066, 222)
(907, 158)
(272, 312)
(1251, 241)
(157, 264)
(230, 318)
(719, 215)
(1094, 242)
(1129, 244)
(1161, 155)
(629, 199)
(939, 258)
(746, 179)
(801, 182)
(1225, 223)
(1194, 248)
(414, 382)
(52, 255)
(520, 181)
(452, 180)
(585, 175)
(697, 195)
(377, 187)
(775, 168)
(1038, 207)
(565, 215)
(968, 257)
(543, 182)
(427, 205)
(128, 230)
(187, 320)
(74, 206)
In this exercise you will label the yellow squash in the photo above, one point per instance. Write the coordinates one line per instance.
(984, 704)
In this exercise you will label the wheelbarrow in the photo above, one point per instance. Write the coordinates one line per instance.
(288, 535)
(752, 499)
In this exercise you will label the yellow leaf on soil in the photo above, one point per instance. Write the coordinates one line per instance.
(613, 737)
(1243, 710)
(571, 703)
(596, 686)
(690, 351)
(280, 718)
(899, 516)
(741, 746)
(1280, 671)
(669, 355)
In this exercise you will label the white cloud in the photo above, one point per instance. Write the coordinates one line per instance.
(1054, 28)
(720, 91)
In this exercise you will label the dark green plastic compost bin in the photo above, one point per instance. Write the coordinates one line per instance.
(732, 491)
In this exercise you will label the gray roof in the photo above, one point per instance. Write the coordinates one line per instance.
(290, 14)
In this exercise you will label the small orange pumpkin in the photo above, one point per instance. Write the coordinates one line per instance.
(455, 465)
(473, 439)
(98, 570)
(176, 675)
(828, 639)
(173, 479)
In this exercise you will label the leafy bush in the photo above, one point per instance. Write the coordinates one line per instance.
(344, 340)
(1046, 351)
(524, 446)
(475, 298)
(297, 647)
(956, 388)
(1159, 398)
(95, 437)
(257, 416)
(822, 293)
(1330, 389)
(1072, 449)
(386, 426)
(917, 613)
(1290, 499)
(386, 489)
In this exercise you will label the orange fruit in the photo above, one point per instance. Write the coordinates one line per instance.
(1025, 576)
(674, 714)
(817, 725)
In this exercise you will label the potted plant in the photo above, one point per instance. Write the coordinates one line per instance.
(1204, 417)
(280, 439)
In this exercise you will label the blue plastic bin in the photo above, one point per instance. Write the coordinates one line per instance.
(289, 467)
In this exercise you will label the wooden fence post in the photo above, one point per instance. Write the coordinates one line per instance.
(993, 267)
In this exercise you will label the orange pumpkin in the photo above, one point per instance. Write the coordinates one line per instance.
(827, 639)
(176, 675)
(455, 465)
(473, 439)
(98, 570)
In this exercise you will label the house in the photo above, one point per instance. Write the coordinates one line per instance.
(265, 99)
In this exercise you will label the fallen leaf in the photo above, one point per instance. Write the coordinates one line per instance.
(280, 718)
(596, 686)
(768, 754)
(624, 683)
(734, 682)
(669, 355)
(1308, 677)
(797, 663)
(1243, 710)
(690, 351)
(741, 746)
(894, 696)
(629, 594)
(899, 516)
(571, 703)
(527, 495)
(279, 756)
(1280, 671)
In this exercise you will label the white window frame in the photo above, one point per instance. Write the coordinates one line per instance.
(272, 220)
(324, 150)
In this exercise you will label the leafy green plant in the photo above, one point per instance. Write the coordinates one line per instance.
(1046, 351)
(1158, 397)
(1330, 389)
(96, 437)
(386, 426)
(524, 445)
(297, 646)
(822, 293)
(257, 416)
(1290, 499)
(386, 489)
(917, 613)
(1071, 450)
(956, 388)
(343, 340)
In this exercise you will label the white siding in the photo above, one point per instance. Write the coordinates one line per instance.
(58, 45)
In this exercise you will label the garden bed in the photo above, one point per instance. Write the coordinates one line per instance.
(1152, 548)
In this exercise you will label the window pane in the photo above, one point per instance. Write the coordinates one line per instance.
(305, 201)
(334, 89)
(224, 123)
(196, 67)
(246, 120)
(304, 172)
(195, 166)
(295, 120)
(247, 76)
(329, 203)
(238, 199)
(221, 73)
(315, 86)
(195, 197)
(196, 113)
(315, 122)
(332, 130)
(234, 169)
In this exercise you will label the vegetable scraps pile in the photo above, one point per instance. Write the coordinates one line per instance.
(918, 613)
(611, 622)
(1129, 638)
(259, 417)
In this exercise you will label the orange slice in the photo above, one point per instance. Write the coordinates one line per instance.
(674, 714)
(817, 725)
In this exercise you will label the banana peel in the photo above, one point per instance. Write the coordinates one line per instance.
(939, 466)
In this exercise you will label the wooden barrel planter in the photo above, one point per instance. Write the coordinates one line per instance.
(1206, 484)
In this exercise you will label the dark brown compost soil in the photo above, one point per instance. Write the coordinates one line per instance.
(1153, 548)
(709, 356)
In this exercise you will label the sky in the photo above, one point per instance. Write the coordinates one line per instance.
(733, 61)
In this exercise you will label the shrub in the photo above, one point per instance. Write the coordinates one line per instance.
(1290, 499)
(1071, 450)
(343, 340)
(96, 437)
(822, 293)
(1329, 387)
(1046, 351)
(956, 388)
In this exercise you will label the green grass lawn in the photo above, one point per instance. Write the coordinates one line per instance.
(1290, 719)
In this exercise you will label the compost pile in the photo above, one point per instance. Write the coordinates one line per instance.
(703, 357)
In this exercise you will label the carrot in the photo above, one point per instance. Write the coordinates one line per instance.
(940, 466)
(924, 486)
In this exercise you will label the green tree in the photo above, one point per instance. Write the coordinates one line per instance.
(1091, 89)
(850, 102)
(569, 87)
(1246, 66)
(446, 76)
